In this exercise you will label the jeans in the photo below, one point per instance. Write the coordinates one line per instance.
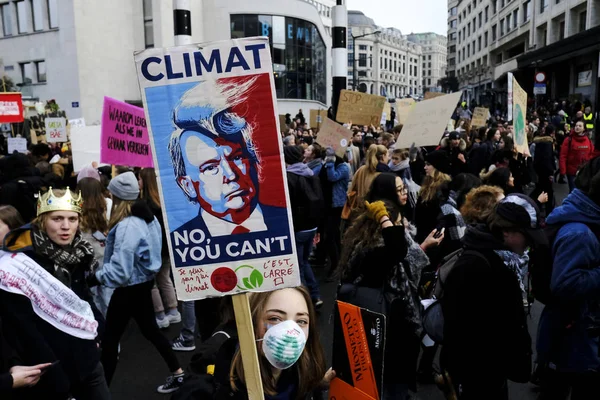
(333, 239)
(164, 286)
(304, 243)
(94, 387)
(188, 320)
(133, 302)
(571, 180)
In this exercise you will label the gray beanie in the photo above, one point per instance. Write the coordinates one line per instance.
(125, 186)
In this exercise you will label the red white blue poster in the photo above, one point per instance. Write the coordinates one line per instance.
(213, 125)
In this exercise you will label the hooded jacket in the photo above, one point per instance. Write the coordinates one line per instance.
(483, 309)
(304, 188)
(575, 151)
(456, 165)
(564, 330)
(543, 160)
(133, 249)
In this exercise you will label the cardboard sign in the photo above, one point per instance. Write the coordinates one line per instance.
(317, 118)
(432, 95)
(11, 108)
(282, 125)
(334, 135)
(125, 138)
(360, 108)
(427, 121)
(387, 110)
(358, 353)
(509, 96)
(85, 145)
(77, 122)
(220, 168)
(519, 112)
(56, 130)
(403, 109)
(18, 144)
(480, 116)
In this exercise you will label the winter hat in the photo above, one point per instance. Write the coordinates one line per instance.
(522, 211)
(454, 136)
(588, 179)
(293, 154)
(440, 161)
(88, 172)
(125, 186)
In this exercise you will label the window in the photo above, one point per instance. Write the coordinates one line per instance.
(515, 18)
(469, 9)
(485, 39)
(498, 58)
(452, 36)
(53, 13)
(501, 28)
(480, 18)
(429, 81)
(27, 73)
(6, 19)
(582, 20)
(469, 50)
(362, 59)
(453, 23)
(469, 28)
(37, 12)
(494, 6)
(148, 23)
(543, 5)
(22, 16)
(428, 65)
(487, 9)
(508, 23)
(561, 30)
(40, 67)
(493, 33)
(526, 10)
(479, 43)
(453, 11)
(362, 47)
(429, 57)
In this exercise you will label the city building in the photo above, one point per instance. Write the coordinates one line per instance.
(452, 36)
(435, 53)
(324, 7)
(386, 62)
(557, 37)
(78, 52)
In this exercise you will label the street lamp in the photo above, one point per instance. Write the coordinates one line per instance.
(354, 74)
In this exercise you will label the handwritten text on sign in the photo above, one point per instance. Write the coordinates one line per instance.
(125, 139)
(360, 108)
(335, 136)
(56, 130)
(480, 116)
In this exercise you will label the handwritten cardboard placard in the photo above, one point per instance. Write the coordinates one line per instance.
(221, 172)
(480, 116)
(56, 130)
(387, 110)
(334, 135)
(85, 145)
(360, 108)
(282, 125)
(403, 109)
(125, 138)
(427, 121)
(432, 95)
(18, 144)
(519, 112)
(317, 117)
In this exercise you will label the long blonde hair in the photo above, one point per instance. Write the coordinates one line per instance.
(121, 209)
(432, 183)
(374, 155)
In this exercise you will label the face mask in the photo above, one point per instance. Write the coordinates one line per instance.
(283, 344)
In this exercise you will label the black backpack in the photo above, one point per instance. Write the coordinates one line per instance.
(22, 193)
(307, 202)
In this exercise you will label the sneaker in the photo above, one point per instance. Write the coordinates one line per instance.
(174, 382)
(173, 316)
(163, 323)
(181, 345)
(318, 303)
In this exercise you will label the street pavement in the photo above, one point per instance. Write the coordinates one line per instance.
(141, 369)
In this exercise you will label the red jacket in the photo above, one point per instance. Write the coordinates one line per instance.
(575, 151)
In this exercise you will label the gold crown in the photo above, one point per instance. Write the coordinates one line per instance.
(48, 202)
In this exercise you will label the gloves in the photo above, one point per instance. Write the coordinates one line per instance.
(91, 280)
(376, 210)
(412, 152)
(329, 155)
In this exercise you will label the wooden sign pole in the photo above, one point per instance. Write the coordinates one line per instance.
(245, 329)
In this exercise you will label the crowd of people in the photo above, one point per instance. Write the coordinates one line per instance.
(469, 227)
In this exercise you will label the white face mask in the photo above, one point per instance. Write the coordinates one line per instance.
(283, 344)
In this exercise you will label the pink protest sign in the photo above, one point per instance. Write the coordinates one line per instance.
(124, 138)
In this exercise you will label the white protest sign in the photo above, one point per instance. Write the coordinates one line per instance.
(56, 130)
(427, 121)
(17, 144)
(85, 145)
(403, 109)
(77, 122)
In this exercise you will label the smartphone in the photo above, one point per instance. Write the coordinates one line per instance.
(54, 364)
(99, 236)
(438, 233)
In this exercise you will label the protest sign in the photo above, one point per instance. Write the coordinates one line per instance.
(519, 111)
(432, 95)
(85, 146)
(387, 110)
(282, 125)
(509, 95)
(334, 135)
(56, 130)
(403, 109)
(11, 108)
(360, 108)
(77, 122)
(480, 116)
(317, 117)
(125, 138)
(221, 173)
(18, 144)
(426, 122)
(358, 353)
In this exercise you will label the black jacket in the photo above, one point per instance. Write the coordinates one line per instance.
(456, 165)
(480, 157)
(307, 201)
(8, 359)
(543, 160)
(483, 310)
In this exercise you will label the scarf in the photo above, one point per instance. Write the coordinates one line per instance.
(65, 259)
(300, 169)
(519, 265)
(314, 163)
(50, 299)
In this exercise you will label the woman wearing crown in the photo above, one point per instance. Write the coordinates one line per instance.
(45, 303)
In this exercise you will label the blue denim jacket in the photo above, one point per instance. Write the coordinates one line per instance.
(340, 177)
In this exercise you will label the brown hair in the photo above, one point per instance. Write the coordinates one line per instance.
(93, 212)
(150, 186)
(121, 210)
(374, 154)
(403, 153)
(431, 184)
(479, 204)
(310, 366)
(11, 217)
(40, 220)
